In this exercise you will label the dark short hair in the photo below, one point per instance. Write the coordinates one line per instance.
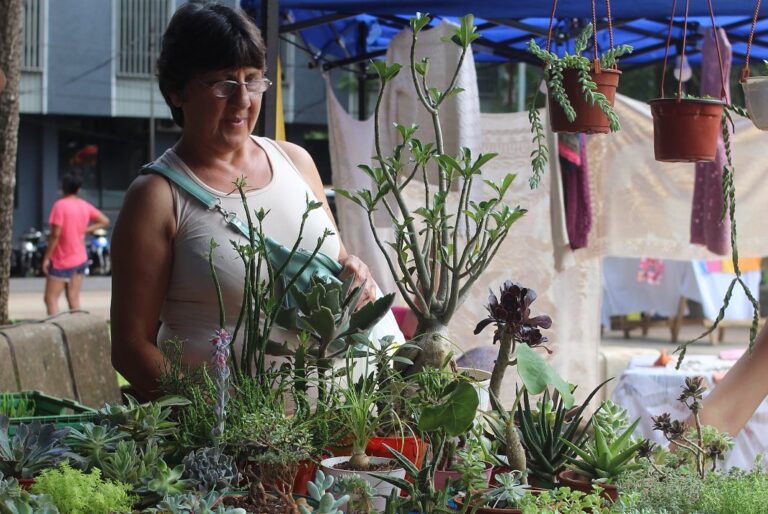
(206, 37)
(71, 183)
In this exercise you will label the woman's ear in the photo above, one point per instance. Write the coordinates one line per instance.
(176, 99)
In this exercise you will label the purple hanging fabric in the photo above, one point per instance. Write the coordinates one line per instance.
(578, 209)
(706, 228)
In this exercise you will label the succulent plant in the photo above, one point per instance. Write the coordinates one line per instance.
(612, 418)
(211, 469)
(511, 489)
(605, 460)
(32, 448)
(94, 443)
(15, 500)
(162, 481)
(361, 493)
(124, 463)
(192, 503)
(318, 491)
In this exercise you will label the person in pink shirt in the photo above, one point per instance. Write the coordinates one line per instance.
(65, 258)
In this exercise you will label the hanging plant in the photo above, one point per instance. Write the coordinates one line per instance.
(580, 92)
(755, 88)
(686, 129)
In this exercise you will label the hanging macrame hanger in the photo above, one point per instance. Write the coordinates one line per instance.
(666, 47)
(716, 35)
(745, 69)
(551, 22)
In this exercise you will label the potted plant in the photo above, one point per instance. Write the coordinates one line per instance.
(756, 96)
(581, 92)
(15, 500)
(602, 461)
(33, 448)
(503, 499)
(433, 272)
(357, 413)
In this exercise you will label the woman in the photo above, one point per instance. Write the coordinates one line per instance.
(211, 74)
(65, 257)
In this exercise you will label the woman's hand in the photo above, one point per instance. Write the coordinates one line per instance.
(354, 267)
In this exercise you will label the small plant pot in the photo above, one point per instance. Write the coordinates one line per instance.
(492, 510)
(685, 130)
(383, 489)
(756, 98)
(306, 473)
(442, 477)
(26, 483)
(570, 478)
(414, 448)
(481, 381)
(589, 118)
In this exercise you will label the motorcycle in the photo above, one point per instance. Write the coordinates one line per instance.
(30, 257)
(99, 260)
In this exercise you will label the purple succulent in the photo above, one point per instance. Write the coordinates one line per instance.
(511, 313)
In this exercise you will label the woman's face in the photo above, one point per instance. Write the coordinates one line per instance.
(225, 123)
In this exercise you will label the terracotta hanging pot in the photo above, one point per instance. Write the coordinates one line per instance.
(589, 118)
(686, 130)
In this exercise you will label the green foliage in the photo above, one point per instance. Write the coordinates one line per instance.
(15, 500)
(564, 501)
(75, 492)
(607, 457)
(360, 492)
(537, 375)
(163, 481)
(453, 413)
(94, 443)
(318, 491)
(211, 469)
(16, 406)
(193, 503)
(660, 489)
(32, 448)
(509, 493)
(735, 492)
(612, 418)
(543, 432)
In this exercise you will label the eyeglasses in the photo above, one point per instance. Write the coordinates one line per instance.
(227, 88)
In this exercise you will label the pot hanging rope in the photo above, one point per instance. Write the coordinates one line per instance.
(755, 88)
(588, 114)
(686, 129)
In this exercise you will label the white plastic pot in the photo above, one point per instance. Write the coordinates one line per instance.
(382, 488)
(756, 98)
(482, 381)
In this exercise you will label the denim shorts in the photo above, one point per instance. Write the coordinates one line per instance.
(66, 273)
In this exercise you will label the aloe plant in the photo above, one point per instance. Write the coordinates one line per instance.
(32, 448)
(605, 459)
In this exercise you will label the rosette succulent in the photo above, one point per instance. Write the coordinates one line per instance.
(212, 469)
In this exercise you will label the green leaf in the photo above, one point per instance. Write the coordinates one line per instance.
(420, 21)
(454, 414)
(466, 33)
(537, 374)
(386, 73)
(322, 322)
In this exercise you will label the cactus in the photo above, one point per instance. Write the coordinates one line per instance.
(33, 448)
(211, 469)
(318, 490)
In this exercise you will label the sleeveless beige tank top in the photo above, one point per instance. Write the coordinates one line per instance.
(190, 311)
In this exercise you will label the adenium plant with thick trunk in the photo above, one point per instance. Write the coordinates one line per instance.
(433, 270)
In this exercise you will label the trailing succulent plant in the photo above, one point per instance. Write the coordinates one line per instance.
(318, 491)
(554, 68)
(211, 469)
(606, 459)
(32, 448)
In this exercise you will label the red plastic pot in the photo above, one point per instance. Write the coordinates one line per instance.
(570, 478)
(412, 447)
(686, 130)
(306, 473)
(443, 476)
(589, 118)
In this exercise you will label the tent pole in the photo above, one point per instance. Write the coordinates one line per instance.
(362, 36)
(521, 86)
(271, 30)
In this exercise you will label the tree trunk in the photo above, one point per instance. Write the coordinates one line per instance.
(10, 65)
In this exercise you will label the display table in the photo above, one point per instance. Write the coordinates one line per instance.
(646, 391)
(624, 293)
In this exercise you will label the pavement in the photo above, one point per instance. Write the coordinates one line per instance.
(26, 302)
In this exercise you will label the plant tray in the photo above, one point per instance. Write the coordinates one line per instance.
(50, 409)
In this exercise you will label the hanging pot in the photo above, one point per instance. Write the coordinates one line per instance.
(685, 130)
(589, 118)
(756, 98)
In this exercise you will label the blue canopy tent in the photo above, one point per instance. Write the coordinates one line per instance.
(347, 32)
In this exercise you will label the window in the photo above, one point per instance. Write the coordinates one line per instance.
(32, 59)
(140, 27)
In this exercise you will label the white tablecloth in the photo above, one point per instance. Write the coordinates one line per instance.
(647, 391)
(624, 294)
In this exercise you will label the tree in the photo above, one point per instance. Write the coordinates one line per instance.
(10, 65)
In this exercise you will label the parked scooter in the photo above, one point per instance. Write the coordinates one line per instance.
(99, 259)
(30, 260)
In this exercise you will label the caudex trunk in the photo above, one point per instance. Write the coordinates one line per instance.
(434, 346)
(360, 461)
(515, 451)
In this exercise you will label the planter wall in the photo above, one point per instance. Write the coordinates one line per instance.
(589, 118)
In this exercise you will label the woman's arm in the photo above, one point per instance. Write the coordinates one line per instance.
(353, 265)
(53, 242)
(141, 269)
(736, 398)
(101, 221)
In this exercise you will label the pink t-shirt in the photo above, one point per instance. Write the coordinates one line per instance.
(73, 215)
